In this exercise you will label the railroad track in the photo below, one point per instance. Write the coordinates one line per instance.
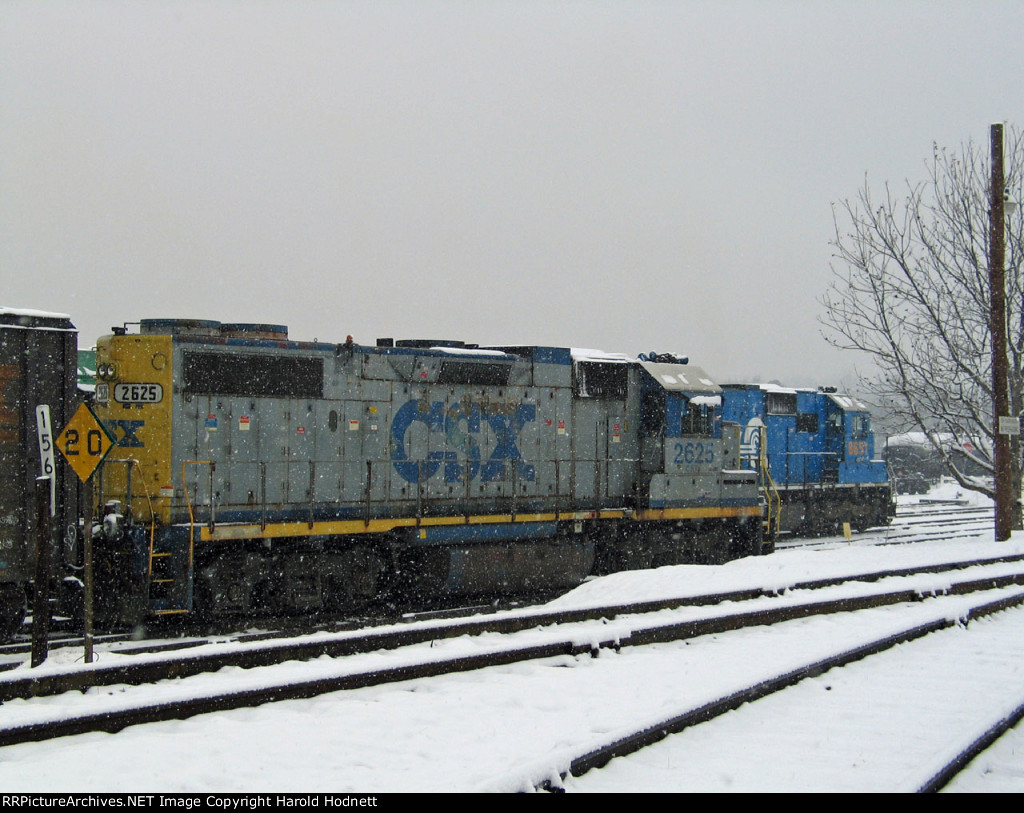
(176, 636)
(429, 649)
(652, 733)
(971, 750)
(907, 530)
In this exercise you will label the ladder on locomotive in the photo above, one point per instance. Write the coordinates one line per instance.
(773, 500)
(171, 564)
(168, 578)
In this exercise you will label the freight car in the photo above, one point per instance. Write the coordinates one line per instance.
(253, 472)
(815, 452)
(38, 354)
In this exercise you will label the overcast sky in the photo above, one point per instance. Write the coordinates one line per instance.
(629, 176)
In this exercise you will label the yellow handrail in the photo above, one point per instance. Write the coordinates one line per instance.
(188, 503)
(771, 492)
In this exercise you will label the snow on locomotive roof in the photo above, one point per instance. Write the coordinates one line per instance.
(776, 388)
(586, 354)
(848, 402)
(675, 377)
(470, 351)
(681, 377)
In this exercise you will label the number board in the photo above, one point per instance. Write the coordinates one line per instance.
(84, 443)
(138, 393)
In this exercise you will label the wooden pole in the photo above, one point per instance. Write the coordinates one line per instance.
(87, 570)
(41, 598)
(1000, 366)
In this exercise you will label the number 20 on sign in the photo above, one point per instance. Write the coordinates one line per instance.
(84, 443)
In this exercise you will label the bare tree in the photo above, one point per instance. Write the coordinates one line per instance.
(911, 290)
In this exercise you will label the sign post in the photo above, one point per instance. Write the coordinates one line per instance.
(85, 443)
(44, 518)
(41, 597)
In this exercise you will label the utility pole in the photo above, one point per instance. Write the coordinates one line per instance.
(997, 327)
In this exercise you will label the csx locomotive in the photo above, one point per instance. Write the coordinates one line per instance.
(251, 472)
(256, 472)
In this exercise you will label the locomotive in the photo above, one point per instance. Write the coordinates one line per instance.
(815, 452)
(253, 472)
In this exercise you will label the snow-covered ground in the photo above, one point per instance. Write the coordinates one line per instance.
(500, 729)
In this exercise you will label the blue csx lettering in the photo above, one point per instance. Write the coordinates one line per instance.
(462, 426)
(125, 431)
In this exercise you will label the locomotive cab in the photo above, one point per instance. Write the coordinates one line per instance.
(851, 443)
(688, 458)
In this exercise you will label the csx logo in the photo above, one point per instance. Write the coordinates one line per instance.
(124, 432)
(461, 425)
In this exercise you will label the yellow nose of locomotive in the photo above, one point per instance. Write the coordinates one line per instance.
(133, 401)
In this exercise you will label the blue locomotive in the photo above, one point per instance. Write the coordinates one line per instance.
(815, 452)
(254, 472)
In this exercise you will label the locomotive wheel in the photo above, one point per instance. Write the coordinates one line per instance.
(12, 610)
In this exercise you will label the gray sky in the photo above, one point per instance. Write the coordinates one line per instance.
(629, 176)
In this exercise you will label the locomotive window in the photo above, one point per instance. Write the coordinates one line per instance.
(860, 425)
(594, 379)
(781, 403)
(698, 419)
(267, 376)
(807, 422)
(488, 374)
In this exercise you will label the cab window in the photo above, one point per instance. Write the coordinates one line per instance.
(698, 419)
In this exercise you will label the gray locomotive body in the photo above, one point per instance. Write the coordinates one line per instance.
(258, 472)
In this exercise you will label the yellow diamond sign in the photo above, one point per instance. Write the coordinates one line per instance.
(84, 442)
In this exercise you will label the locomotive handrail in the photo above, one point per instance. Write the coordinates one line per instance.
(771, 492)
(149, 501)
(188, 502)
